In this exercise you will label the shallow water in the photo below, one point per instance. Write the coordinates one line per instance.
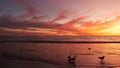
(57, 53)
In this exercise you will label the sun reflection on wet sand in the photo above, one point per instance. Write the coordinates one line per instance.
(57, 53)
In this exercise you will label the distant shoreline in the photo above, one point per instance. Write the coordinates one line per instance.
(55, 39)
(61, 41)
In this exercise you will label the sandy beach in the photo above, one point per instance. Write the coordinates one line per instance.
(59, 33)
(21, 63)
(54, 55)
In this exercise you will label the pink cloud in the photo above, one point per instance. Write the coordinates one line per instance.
(37, 18)
(30, 10)
(70, 23)
(61, 16)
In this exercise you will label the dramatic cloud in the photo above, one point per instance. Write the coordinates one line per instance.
(60, 17)
(11, 22)
(37, 18)
(71, 23)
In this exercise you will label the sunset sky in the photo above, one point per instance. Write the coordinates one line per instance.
(59, 17)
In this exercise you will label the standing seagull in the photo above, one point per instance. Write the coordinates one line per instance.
(101, 58)
(71, 58)
(89, 48)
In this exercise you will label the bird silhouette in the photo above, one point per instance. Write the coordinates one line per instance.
(101, 58)
(71, 59)
(89, 48)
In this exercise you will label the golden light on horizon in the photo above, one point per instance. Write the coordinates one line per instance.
(113, 31)
(78, 18)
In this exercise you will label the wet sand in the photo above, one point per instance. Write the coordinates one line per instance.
(37, 55)
(21, 63)
(27, 63)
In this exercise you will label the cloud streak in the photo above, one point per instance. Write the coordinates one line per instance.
(59, 17)
(12, 22)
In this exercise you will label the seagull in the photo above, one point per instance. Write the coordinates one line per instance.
(101, 58)
(89, 48)
(71, 59)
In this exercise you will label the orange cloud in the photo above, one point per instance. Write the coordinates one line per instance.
(70, 24)
(35, 32)
(110, 28)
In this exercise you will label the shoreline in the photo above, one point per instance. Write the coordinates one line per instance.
(35, 41)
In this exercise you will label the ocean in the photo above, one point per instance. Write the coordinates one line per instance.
(54, 55)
